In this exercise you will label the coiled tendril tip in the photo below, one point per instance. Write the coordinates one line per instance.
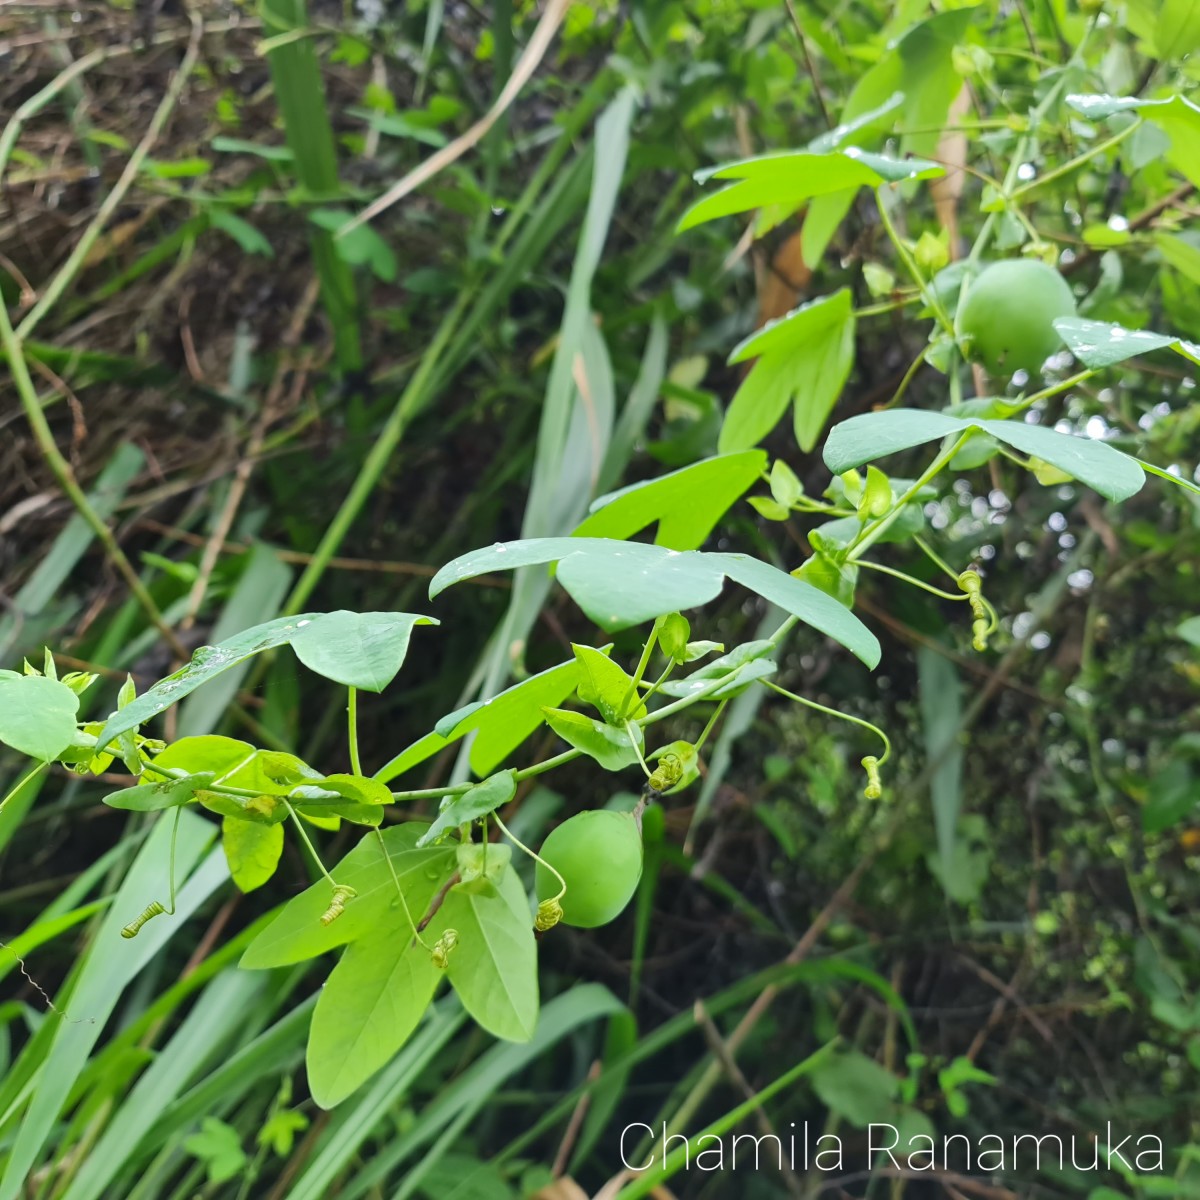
(337, 905)
(549, 913)
(874, 788)
(442, 947)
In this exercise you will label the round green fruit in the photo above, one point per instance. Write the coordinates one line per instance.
(599, 855)
(1006, 322)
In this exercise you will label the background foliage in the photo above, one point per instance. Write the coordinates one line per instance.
(271, 413)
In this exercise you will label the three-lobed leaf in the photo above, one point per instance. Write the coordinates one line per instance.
(619, 584)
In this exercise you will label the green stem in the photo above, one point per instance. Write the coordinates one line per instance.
(352, 711)
(312, 850)
(1074, 163)
(833, 712)
(927, 587)
(27, 778)
(876, 530)
(716, 716)
(643, 663)
(910, 265)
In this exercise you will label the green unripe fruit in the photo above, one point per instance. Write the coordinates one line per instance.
(1006, 322)
(599, 856)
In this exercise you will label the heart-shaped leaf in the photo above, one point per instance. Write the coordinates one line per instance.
(361, 650)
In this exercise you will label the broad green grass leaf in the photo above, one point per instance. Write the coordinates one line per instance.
(215, 1018)
(873, 435)
(369, 1007)
(152, 797)
(494, 966)
(361, 650)
(479, 801)
(612, 748)
(1181, 253)
(37, 715)
(297, 933)
(107, 967)
(687, 503)
(252, 851)
(606, 686)
(500, 724)
(940, 697)
(1098, 344)
(623, 583)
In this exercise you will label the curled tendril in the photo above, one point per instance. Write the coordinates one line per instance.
(874, 788)
(442, 947)
(337, 905)
(667, 774)
(983, 624)
(549, 913)
(154, 909)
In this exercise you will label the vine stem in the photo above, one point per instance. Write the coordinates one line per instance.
(833, 712)
(873, 532)
(27, 778)
(352, 719)
(312, 850)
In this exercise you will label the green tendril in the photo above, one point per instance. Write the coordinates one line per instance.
(156, 908)
(549, 912)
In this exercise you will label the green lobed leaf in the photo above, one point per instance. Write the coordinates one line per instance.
(37, 715)
(252, 851)
(152, 797)
(494, 966)
(619, 584)
(612, 748)
(739, 668)
(873, 435)
(788, 179)
(297, 933)
(479, 801)
(687, 503)
(361, 650)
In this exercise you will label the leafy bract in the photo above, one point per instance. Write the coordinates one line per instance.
(500, 724)
(297, 933)
(873, 435)
(37, 715)
(153, 797)
(687, 503)
(252, 851)
(360, 649)
(804, 359)
(606, 686)
(611, 747)
(1099, 344)
(479, 801)
(737, 670)
(619, 584)
(786, 180)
